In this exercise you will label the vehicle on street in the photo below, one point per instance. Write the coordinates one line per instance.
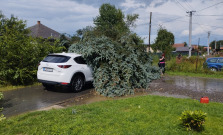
(66, 69)
(215, 63)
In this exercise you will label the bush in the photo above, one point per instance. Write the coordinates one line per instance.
(192, 64)
(193, 120)
(1, 116)
(20, 53)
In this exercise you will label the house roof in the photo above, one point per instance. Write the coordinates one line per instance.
(178, 45)
(40, 30)
(182, 49)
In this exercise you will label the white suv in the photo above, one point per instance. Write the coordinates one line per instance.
(67, 69)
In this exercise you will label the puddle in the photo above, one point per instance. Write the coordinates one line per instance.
(196, 84)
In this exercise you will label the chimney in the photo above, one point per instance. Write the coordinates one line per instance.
(38, 22)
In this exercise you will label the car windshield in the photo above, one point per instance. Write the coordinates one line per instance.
(212, 60)
(56, 59)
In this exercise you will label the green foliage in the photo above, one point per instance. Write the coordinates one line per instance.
(218, 44)
(193, 64)
(1, 116)
(119, 67)
(20, 54)
(112, 22)
(117, 56)
(65, 42)
(164, 42)
(193, 120)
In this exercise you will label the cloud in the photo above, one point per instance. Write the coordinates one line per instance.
(174, 18)
(63, 16)
(132, 4)
(67, 16)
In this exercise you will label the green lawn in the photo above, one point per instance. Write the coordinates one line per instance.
(214, 75)
(151, 115)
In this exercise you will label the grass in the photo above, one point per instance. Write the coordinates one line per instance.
(177, 73)
(11, 87)
(139, 115)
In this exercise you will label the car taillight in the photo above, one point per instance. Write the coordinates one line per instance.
(64, 66)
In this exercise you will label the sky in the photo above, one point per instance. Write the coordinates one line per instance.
(67, 16)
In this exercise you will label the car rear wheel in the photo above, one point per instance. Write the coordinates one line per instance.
(214, 69)
(77, 83)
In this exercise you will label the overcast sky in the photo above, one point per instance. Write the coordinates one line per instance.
(67, 16)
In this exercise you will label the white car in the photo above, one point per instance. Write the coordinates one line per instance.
(67, 69)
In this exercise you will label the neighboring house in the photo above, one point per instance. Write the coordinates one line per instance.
(178, 45)
(205, 48)
(221, 47)
(194, 47)
(147, 48)
(40, 30)
(182, 50)
(151, 49)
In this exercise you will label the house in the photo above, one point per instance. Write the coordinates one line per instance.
(205, 48)
(151, 50)
(194, 47)
(40, 30)
(178, 45)
(182, 50)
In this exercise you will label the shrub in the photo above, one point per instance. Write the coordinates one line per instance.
(20, 53)
(192, 64)
(193, 120)
(1, 116)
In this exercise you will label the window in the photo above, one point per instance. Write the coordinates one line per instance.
(80, 60)
(212, 60)
(220, 60)
(56, 59)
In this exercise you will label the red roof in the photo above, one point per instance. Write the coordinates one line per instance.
(178, 45)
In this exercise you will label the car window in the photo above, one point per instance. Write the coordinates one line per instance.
(80, 60)
(220, 60)
(56, 59)
(212, 60)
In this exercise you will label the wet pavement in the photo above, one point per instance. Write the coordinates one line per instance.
(192, 87)
(196, 84)
(35, 98)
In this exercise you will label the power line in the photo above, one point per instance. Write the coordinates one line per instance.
(170, 20)
(208, 15)
(188, 4)
(209, 6)
(201, 24)
(181, 5)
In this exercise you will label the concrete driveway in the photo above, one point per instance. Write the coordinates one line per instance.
(36, 97)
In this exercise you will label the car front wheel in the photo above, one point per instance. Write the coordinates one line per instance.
(77, 83)
(213, 69)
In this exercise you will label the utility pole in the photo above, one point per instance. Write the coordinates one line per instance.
(208, 41)
(215, 45)
(150, 29)
(190, 30)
